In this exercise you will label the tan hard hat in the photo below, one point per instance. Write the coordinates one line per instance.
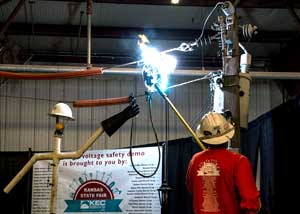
(214, 129)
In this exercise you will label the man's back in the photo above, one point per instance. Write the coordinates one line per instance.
(222, 182)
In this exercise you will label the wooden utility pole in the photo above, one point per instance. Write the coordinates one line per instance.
(231, 61)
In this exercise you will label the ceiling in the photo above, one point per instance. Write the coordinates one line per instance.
(54, 32)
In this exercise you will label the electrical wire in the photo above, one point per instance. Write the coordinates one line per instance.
(35, 98)
(207, 76)
(156, 138)
(79, 32)
(184, 47)
(122, 65)
(205, 22)
(243, 48)
(208, 106)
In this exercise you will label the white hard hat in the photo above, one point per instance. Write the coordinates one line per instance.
(214, 129)
(62, 110)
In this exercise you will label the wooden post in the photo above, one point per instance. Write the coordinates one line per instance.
(231, 62)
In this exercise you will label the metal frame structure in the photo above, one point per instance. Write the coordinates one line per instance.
(55, 156)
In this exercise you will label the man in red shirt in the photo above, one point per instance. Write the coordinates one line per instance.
(220, 181)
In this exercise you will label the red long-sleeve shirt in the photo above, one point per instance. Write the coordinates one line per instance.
(222, 182)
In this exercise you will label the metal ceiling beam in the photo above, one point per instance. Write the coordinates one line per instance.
(202, 3)
(131, 33)
(136, 71)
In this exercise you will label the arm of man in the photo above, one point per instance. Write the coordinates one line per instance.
(244, 179)
(189, 180)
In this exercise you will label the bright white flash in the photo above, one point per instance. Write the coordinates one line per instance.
(157, 67)
(218, 99)
(167, 65)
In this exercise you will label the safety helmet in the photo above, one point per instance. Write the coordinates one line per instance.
(62, 110)
(214, 129)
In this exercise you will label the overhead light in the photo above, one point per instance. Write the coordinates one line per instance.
(174, 1)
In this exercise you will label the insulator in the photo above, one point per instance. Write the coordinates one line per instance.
(218, 38)
(205, 41)
(248, 30)
(219, 42)
(201, 41)
(215, 27)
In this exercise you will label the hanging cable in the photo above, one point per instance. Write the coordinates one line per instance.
(79, 31)
(35, 98)
(149, 98)
(206, 108)
(122, 100)
(184, 47)
(85, 103)
(200, 41)
(205, 22)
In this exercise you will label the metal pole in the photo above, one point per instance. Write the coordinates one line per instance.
(55, 164)
(165, 188)
(180, 117)
(166, 144)
(12, 16)
(89, 10)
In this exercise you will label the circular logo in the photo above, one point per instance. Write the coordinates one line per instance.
(93, 190)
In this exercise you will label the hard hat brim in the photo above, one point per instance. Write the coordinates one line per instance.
(217, 140)
(61, 115)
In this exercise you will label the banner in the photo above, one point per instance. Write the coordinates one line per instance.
(101, 181)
